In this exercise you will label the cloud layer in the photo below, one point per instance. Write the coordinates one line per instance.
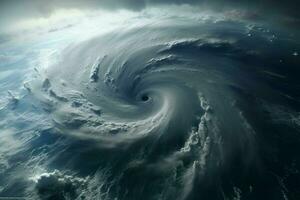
(31, 8)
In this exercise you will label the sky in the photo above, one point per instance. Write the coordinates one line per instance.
(285, 12)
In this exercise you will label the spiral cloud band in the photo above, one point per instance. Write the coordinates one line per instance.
(168, 108)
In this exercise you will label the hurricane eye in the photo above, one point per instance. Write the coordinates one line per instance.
(145, 97)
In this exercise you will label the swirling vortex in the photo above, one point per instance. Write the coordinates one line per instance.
(158, 101)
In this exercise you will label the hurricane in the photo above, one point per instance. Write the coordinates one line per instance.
(185, 107)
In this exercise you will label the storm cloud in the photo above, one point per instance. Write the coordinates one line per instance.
(21, 9)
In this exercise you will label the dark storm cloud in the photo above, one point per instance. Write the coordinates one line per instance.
(287, 10)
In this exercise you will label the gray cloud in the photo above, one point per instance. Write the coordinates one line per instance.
(287, 10)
